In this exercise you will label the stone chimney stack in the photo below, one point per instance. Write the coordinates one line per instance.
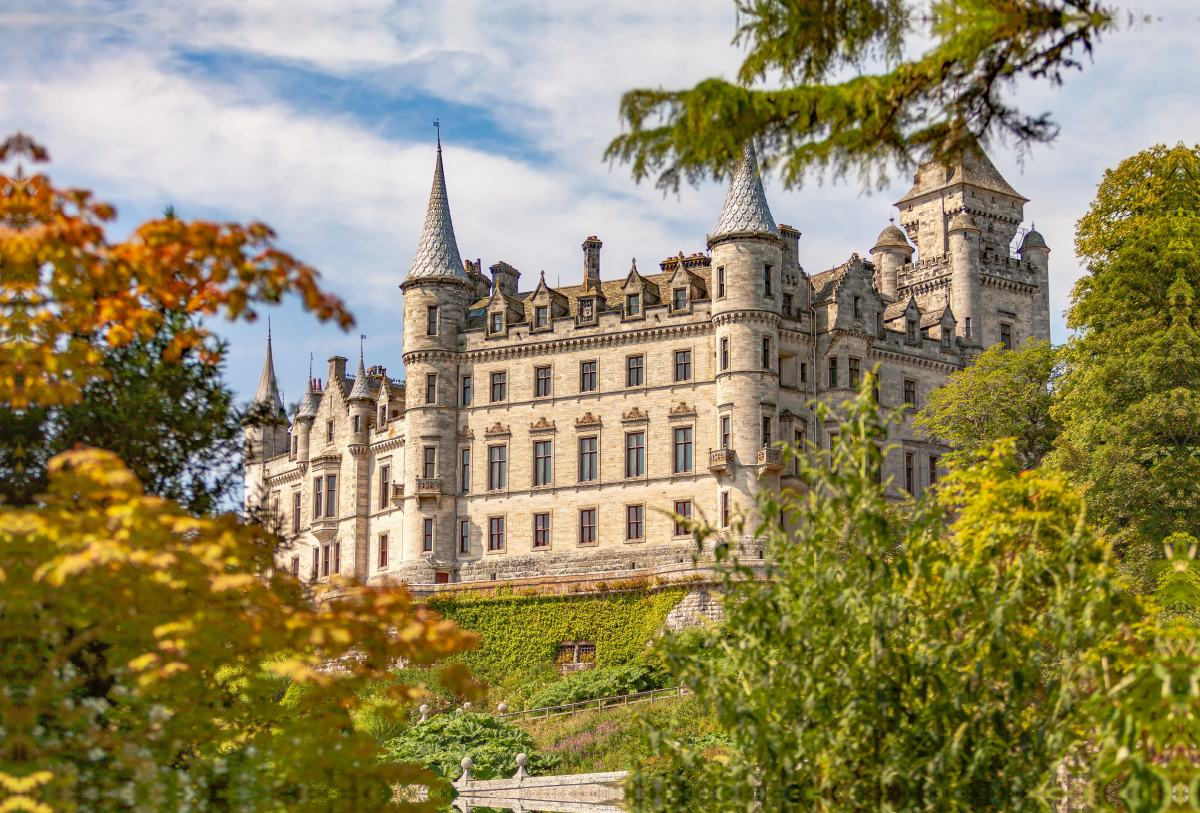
(337, 369)
(504, 278)
(591, 262)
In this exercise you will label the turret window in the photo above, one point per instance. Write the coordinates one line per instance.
(766, 431)
(317, 482)
(431, 321)
(721, 282)
(427, 541)
(1006, 335)
(295, 446)
(466, 390)
(967, 327)
(296, 513)
(766, 353)
(429, 464)
(430, 390)
(768, 292)
(355, 420)
(330, 495)
(725, 434)
(724, 354)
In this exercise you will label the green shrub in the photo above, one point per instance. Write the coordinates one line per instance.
(596, 683)
(441, 743)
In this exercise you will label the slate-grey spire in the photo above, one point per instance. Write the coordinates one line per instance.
(308, 406)
(360, 390)
(437, 254)
(746, 207)
(268, 390)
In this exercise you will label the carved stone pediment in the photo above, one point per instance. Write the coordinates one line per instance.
(497, 429)
(635, 414)
(542, 425)
(466, 432)
(683, 409)
(588, 419)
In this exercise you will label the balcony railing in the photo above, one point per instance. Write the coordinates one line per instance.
(429, 487)
(770, 459)
(721, 459)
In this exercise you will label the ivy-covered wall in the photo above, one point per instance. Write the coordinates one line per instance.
(522, 631)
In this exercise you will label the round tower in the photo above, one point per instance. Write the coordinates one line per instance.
(1035, 252)
(892, 251)
(437, 294)
(747, 259)
(266, 432)
(964, 266)
(305, 416)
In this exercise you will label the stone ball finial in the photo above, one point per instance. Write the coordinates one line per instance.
(466, 763)
(521, 760)
(424, 713)
(502, 708)
(468, 707)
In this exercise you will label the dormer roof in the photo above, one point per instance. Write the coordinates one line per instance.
(437, 254)
(746, 208)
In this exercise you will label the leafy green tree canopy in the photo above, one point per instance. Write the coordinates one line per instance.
(1130, 402)
(830, 85)
(1004, 394)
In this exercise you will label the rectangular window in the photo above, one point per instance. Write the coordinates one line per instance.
(879, 322)
(725, 432)
(909, 485)
(680, 299)
(296, 566)
(633, 371)
(766, 431)
(496, 533)
(383, 551)
(588, 460)
(296, 513)
(431, 388)
(766, 353)
(858, 307)
(587, 526)
(833, 372)
(633, 304)
(329, 431)
(466, 390)
(384, 485)
(683, 365)
(541, 530)
(910, 331)
(853, 364)
(499, 386)
(497, 323)
(767, 292)
(464, 471)
(330, 495)
(295, 445)
(587, 376)
(683, 449)
(635, 454)
(464, 536)
(910, 393)
(497, 467)
(803, 373)
(316, 568)
(541, 382)
(317, 498)
(721, 282)
(429, 463)
(787, 304)
(354, 420)
(799, 441)
(1006, 335)
(337, 557)
(945, 339)
(683, 510)
(724, 509)
(325, 552)
(543, 474)
(634, 522)
(967, 327)
(541, 316)
(724, 354)
(382, 415)
(431, 321)
(933, 466)
(427, 540)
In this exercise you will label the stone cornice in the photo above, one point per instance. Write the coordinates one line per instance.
(285, 477)
(1008, 284)
(387, 445)
(917, 361)
(428, 355)
(577, 343)
(748, 316)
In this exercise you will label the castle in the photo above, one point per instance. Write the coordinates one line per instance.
(546, 433)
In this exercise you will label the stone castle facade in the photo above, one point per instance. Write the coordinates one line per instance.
(552, 432)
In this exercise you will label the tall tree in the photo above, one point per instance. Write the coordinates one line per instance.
(829, 85)
(1131, 388)
(1004, 394)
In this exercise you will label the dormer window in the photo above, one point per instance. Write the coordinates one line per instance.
(633, 304)
(497, 323)
(945, 339)
(541, 316)
(910, 332)
(679, 299)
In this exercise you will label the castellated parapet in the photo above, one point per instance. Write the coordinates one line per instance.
(551, 432)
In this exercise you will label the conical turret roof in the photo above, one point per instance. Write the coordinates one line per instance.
(361, 390)
(437, 254)
(268, 389)
(972, 168)
(308, 407)
(746, 208)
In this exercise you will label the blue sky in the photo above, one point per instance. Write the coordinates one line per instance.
(315, 117)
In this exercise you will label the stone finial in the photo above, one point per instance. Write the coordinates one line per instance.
(502, 709)
(521, 772)
(468, 707)
(466, 766)
(424, 713)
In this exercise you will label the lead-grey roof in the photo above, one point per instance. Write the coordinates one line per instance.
(973, 168)
(308, 407)
(1033, 239)
(268, 390)
(361, 389)
(437, 254)
(746, 207)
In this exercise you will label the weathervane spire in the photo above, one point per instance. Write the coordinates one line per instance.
(437, 125)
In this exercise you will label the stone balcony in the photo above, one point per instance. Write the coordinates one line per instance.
(398, 494)
(721, 459)
(770, 460)
(324, 528)
(429, 488)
